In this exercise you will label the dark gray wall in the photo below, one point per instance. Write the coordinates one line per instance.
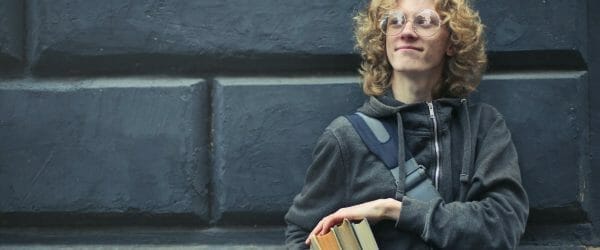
(205, 113)
(11, 35)
(535, 25)
(128, 146)
(593, 175)
(110, 37)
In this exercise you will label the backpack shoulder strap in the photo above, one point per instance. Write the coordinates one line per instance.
(379, 135)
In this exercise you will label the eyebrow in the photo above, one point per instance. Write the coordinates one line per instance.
(411, 13)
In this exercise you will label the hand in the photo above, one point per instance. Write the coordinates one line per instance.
(373, 211)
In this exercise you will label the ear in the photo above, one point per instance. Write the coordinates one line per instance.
(450, 51)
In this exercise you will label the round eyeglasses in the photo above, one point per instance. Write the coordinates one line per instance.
(426, 23)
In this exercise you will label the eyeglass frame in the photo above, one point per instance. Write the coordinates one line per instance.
(385, 17)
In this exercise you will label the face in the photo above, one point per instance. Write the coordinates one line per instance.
(416, 52)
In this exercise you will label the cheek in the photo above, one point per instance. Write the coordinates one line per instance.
(435, 58)
(389, 48)
(437, 54)
(438, 51)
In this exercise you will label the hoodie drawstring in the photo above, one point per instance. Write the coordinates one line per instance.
(401, 157)
(467, 147)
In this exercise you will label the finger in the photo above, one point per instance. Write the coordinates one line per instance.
(315, 231)
(327, 226)
(324, 230)
(317, 228)
(329, 222)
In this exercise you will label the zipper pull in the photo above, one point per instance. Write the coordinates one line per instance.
(431, 114)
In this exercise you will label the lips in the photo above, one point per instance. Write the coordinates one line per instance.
(408, 47)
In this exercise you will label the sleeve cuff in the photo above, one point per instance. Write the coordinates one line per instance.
(413, 215)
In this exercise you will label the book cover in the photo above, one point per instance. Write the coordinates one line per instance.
(346, 236)
(327, 241)
(365, 237)
(314, 243)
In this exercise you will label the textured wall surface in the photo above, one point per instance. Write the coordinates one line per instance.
(594, 82)
(535, 25)
(11, 34)
(187, 36)
(205, 113)
(104, 146)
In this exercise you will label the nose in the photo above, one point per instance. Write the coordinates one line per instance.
(408, 31)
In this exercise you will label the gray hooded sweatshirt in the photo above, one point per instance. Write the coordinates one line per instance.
(467, 150)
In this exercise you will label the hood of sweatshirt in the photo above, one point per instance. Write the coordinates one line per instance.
(386, 106)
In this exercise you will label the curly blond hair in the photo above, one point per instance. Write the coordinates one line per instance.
(462, 71)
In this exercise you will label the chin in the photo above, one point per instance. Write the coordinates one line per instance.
(410, 70)
(408, 67)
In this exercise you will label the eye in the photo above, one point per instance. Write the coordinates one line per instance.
(396, 19)
(422, 20)
(427, 19)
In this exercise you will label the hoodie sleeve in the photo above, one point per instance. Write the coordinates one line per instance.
(318, 197)
(495, 212)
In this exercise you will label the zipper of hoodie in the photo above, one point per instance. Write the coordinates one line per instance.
(436, 145)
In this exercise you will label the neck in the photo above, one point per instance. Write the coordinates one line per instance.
(414, 87)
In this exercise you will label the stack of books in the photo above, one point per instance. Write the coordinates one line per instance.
(346, 236)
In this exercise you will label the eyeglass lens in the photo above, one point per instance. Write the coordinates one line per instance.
(426, 23)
